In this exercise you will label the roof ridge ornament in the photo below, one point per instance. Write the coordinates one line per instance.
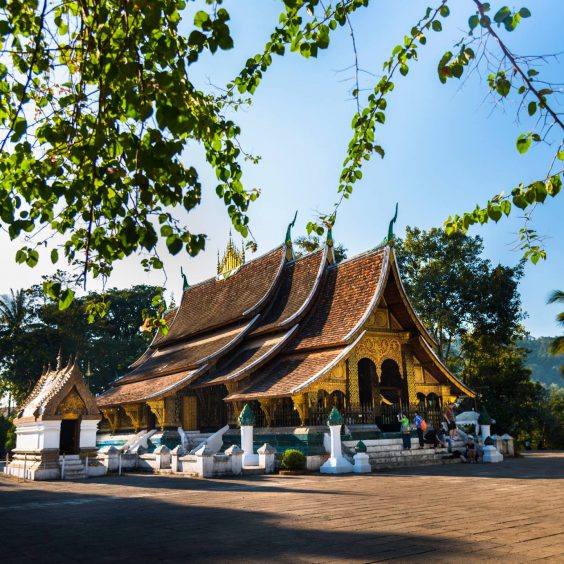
(288, 238)
(60, 359)
(389, 239)
(391, 235)
(232, 259)
(330, 246)
(185, 284)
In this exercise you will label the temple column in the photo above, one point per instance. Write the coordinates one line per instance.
(409, 374)
(352, 377)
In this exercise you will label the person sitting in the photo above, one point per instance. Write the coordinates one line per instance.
(431, 438)
(471, 451)
(445, 440)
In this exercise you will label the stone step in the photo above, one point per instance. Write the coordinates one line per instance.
(252, 470)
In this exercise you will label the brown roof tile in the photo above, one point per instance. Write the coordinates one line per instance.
(348, 291)
(297, 287)
(254, 354)
(217, 302)
(284, 374)
(186, 355)
(140, 391)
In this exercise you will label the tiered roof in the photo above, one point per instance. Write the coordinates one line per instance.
(53, 386)
(274, 325)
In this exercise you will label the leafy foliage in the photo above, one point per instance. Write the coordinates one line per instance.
(98, 111)
(105, 347)
(545, 367)
(313, 243)
(455, 291)
(293, 460)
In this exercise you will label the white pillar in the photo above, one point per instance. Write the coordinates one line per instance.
(337, 464)
(236, 455)
(266, 456)
(485, 431)
(249, 458)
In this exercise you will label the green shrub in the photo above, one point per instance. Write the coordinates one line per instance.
(293, 460)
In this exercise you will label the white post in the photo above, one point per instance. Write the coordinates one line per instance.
(361, 459)
(266, 456)
(336, 464)
(86, 466)
(119, 465)
(485, 431)
(247, 422)
(63, 468)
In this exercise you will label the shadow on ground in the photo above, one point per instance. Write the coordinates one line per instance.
(534, 466)
(58, 526)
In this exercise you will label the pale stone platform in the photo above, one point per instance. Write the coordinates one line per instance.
(507, 512)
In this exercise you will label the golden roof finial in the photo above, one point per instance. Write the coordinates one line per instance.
(232, 257)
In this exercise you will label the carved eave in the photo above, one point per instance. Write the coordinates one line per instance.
(437, 364)
(60, 394)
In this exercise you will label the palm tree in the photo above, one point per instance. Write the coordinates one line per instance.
(557, 345)
(15, 313)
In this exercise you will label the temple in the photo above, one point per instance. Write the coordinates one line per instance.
(290, 337)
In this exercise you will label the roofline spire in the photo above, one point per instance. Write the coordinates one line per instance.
(288, 239)
(330, 244)
(185, 284)
(391, 235)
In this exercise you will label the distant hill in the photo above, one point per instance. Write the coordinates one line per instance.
(545, 367)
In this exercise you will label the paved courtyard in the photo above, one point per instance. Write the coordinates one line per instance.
(510, 512)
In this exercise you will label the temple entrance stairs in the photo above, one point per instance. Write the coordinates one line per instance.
(73, 467)
(193, 439)
(389, 453)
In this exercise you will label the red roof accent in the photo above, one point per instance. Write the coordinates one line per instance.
(217, 302)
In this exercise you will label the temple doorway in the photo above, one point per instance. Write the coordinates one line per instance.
(391, 383)
(70, 436)
(367, 381)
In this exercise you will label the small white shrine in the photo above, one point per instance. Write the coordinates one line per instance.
(56, 428)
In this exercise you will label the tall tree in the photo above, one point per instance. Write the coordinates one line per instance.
(557, 345)
(105, 347)
(455, 290)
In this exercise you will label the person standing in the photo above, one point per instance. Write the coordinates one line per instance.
(448, 416)
(405, 431)
(419, 424)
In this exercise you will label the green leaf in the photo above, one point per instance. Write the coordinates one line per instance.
(67, 296)
(502, 14)
(444, 11)
(201, 18)
(54, 256)
(525, 13)
(473, 21)
(560, 155)
(532, 108)
(523, 143)
(436, 25)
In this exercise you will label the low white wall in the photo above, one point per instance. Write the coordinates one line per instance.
(38, 435)
(88, 430)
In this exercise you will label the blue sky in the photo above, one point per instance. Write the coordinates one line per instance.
(447, 146)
